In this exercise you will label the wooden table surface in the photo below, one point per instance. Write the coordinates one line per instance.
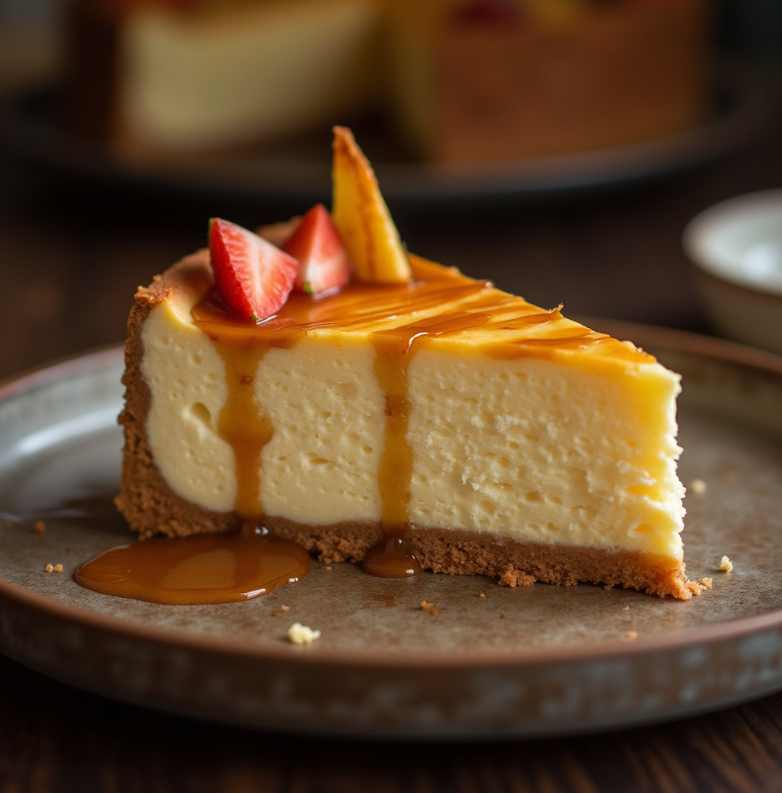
(70, 259)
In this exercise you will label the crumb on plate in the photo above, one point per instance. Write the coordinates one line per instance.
(428, 607)
(726, 564)
(698, 487)
(698, 587)
(301, 634)
(631, 634)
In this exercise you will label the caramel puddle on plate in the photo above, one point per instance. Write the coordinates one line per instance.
(197, 570)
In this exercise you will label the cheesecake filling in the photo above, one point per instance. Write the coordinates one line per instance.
(330, 414)
(210, 61)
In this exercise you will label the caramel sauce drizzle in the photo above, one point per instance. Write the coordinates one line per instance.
(245, 426)
(393, 557)
(196, 570)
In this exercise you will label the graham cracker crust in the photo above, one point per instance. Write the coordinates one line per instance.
(513, 562)
(146, 500)
(151, 507)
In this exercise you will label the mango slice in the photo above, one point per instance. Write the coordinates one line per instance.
(362, 217)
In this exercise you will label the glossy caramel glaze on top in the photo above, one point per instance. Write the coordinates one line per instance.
(439, 303)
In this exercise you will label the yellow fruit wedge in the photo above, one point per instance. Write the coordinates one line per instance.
(362, 217)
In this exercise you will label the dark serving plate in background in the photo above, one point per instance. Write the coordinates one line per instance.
(299, 169)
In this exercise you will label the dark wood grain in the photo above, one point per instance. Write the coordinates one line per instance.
(70, 260)
(55, 738)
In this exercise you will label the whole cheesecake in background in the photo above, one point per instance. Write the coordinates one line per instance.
(457, 80)
(412, 405)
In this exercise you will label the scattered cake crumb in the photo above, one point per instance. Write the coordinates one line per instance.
(40, 527)
(626, 608)
(58, 568)
(281, 611)
(632, 634)
(328, 567)
(514, 578)
(430, 608)
(698, 487)
(697, 587)
(726, 564)
(483, 595)
(301, 634)
(49, 568)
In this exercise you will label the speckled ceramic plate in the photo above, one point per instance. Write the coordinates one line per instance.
(491, 662)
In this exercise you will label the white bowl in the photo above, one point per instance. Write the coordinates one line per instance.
(736, 247)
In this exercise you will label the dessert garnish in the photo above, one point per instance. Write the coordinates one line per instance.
(324, 264)
(253, 277)
(362, 217)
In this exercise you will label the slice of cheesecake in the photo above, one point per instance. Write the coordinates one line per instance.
(507, 439)
(486, 434)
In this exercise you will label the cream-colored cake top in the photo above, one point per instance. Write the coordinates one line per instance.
(439, 307)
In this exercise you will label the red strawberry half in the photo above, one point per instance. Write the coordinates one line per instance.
(252, 276)
(323, 260)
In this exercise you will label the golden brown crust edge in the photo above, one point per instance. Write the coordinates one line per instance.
(515, 563)
(147, 502)
(151, 507)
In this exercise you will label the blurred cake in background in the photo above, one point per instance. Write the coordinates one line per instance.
(457, 80)
(498, 80)
(185, 76)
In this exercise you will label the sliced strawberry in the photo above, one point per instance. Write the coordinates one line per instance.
(252, 276)
(323, 260)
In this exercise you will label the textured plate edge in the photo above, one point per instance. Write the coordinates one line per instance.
(754, 643)
(578, 696)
